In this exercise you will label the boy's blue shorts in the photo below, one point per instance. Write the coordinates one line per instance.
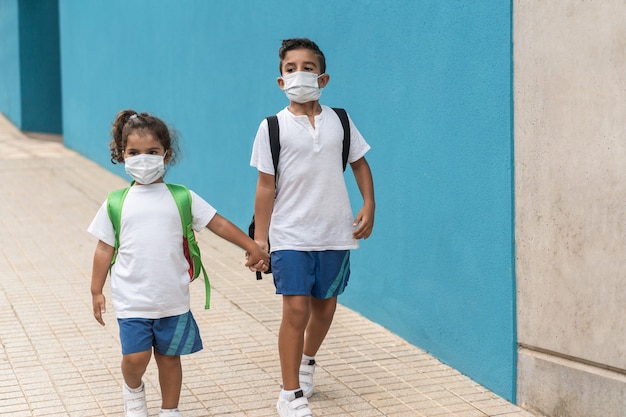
(175, 335)
(322, 274)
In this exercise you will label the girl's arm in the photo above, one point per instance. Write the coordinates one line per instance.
(101, 263)
(364, 221)
(263, 206)
(256, 257)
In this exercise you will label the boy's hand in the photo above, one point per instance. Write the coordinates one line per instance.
(99, 307)
(258, 259)
(364, 223)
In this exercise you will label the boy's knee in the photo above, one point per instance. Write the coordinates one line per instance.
(168, 361)
(296, 310)
(324, 308)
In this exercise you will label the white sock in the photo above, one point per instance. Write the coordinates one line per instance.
(284, 394)
(306, 359)
(138, 389)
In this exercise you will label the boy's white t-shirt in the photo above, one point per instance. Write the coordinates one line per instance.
(312, 209)
(150, 276)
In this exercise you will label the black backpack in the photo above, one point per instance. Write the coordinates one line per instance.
(274, 133)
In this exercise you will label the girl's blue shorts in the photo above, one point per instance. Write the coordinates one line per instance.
(175, 335)
(321, 274)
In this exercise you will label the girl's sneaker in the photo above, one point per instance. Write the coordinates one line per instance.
(135, 401)
(296, 406)
(307, 369)
(170, 413)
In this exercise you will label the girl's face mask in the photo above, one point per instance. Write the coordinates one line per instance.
(145, 168)
(302, 87)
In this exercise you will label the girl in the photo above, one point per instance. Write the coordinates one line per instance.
(149, 279)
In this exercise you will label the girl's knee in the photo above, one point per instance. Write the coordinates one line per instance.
(136, 362)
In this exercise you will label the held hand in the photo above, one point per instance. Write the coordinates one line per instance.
(263, 245)
(99, 307)
(364, 223)
(258, 259)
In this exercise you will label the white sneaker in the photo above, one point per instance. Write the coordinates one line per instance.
(297, 406)
(135, 402)
(307, 369)
(170, 413)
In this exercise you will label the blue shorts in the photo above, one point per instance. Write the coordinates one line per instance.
(322, 274)
(175, 335)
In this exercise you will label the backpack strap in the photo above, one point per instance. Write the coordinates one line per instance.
(182, 197)
(114, 209)
(345, 123)
(274, 132)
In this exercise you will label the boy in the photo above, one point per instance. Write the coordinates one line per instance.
(306, 213)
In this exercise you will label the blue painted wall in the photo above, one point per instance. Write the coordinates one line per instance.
(40, 66)
(10, 95)
(428, 83)
(30, 71)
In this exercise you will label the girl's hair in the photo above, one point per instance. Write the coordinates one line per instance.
(129, 121)
(300, 43)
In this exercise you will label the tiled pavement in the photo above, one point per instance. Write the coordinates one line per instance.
(55, 360)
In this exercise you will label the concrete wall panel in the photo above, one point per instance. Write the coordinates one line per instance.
(570, 168)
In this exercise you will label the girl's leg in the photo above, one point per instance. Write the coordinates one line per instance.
(134, 366)
(291, 338)
(322, 313)
(170, 379)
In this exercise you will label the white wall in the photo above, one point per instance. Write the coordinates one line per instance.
(570, 168)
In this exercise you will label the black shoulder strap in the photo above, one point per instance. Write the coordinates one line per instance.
(274, 131)
(343, 116)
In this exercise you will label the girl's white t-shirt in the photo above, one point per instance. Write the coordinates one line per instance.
(150, 276)
(312, 209)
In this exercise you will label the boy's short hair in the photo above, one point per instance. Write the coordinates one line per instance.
(300, 43)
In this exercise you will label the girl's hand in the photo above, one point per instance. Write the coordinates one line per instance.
(258, 259)
(99, 307)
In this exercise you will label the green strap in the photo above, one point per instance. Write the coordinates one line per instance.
(182, 196)
(114, 209)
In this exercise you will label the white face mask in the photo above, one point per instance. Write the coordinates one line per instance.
(302, 87)
(145, 168)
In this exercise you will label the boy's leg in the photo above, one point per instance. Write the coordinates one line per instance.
(321, 318)
(291, 338)
(170, 379)
(322, 313)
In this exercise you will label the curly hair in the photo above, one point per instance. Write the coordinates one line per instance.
(129, 121)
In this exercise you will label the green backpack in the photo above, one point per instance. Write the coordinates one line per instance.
(182, 197)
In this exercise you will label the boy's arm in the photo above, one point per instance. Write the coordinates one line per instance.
(263, 206)
(364, 221)
(257, 258)
(101, 263)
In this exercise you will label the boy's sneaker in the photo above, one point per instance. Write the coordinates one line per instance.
(296, 406)
(170, 413)
(135, 401)
(307, 369)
